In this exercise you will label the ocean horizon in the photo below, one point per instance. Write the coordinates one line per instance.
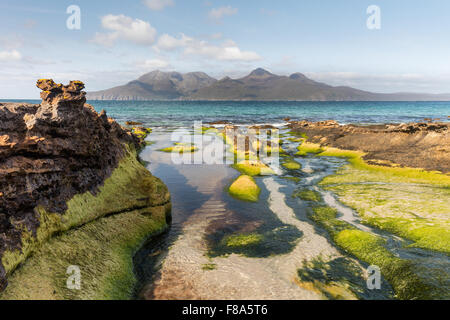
(184, 113)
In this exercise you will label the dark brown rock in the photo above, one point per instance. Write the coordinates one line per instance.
(418, 145)
(49, 153)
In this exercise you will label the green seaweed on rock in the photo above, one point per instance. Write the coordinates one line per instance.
(307, 195)
(402, 274)
(245, 188)
(131, 201)
(291, 164)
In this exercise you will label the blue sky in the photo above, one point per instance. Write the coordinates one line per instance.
(328, 40)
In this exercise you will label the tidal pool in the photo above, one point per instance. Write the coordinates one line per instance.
(220, 247)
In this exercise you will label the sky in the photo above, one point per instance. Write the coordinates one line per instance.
(328, 40)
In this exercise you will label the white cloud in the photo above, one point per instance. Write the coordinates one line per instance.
(125, 28)
(169, 43)
(12, 55)
(158, 4)
(152, 64)
(227, 51)
(219, 13)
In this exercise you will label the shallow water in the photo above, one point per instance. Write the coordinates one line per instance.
(191, 261)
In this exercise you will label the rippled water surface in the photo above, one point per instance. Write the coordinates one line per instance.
(183, 113)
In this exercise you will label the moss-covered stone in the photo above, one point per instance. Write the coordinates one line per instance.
(130, 188)
(306, 147)
(253, 168)
(141, 132)
(181, 148)
(291, 164)
(103, 250)
(245, 188)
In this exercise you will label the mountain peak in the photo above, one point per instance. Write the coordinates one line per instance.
(259, 72)
(298, 76)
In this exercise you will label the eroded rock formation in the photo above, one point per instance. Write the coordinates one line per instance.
(49, 153)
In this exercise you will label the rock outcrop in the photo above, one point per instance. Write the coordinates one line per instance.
(417, 145)
(48, 154)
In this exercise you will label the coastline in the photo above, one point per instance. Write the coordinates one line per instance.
(322, 190)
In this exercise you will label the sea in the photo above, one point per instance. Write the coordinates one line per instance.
(184, 113)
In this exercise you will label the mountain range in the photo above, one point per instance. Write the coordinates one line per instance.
(259, 85)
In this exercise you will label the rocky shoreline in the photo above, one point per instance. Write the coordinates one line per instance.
(60, 152)
(417, 145)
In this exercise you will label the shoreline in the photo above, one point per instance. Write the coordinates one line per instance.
(385, 153)
(417, 145)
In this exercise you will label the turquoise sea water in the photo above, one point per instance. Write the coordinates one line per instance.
(184, 113)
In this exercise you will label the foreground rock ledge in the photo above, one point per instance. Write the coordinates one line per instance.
(54, 151)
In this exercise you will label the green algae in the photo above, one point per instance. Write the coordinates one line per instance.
(243, 240)
(103, 250)
(306, 148)
(180, 148)
(130, 187)
(386, 198)
(141, 132)
(265, 241)
(296, 139)
(209, 267)
(291, 164)
(253, 168)
(245, 188)
(294, 179)
(397, 209)
(403, 275)
(340, 278)
(360, 171)
(302, 135)
(308, 195)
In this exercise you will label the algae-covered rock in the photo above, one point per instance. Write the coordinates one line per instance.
(243, 240)
(253, 168)
(408, 145)
(306, 148)
(291, 164)
(181, 148)
(64, 165)
(131, 206)
(245, 188)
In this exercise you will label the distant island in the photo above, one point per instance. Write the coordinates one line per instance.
(259, 85)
